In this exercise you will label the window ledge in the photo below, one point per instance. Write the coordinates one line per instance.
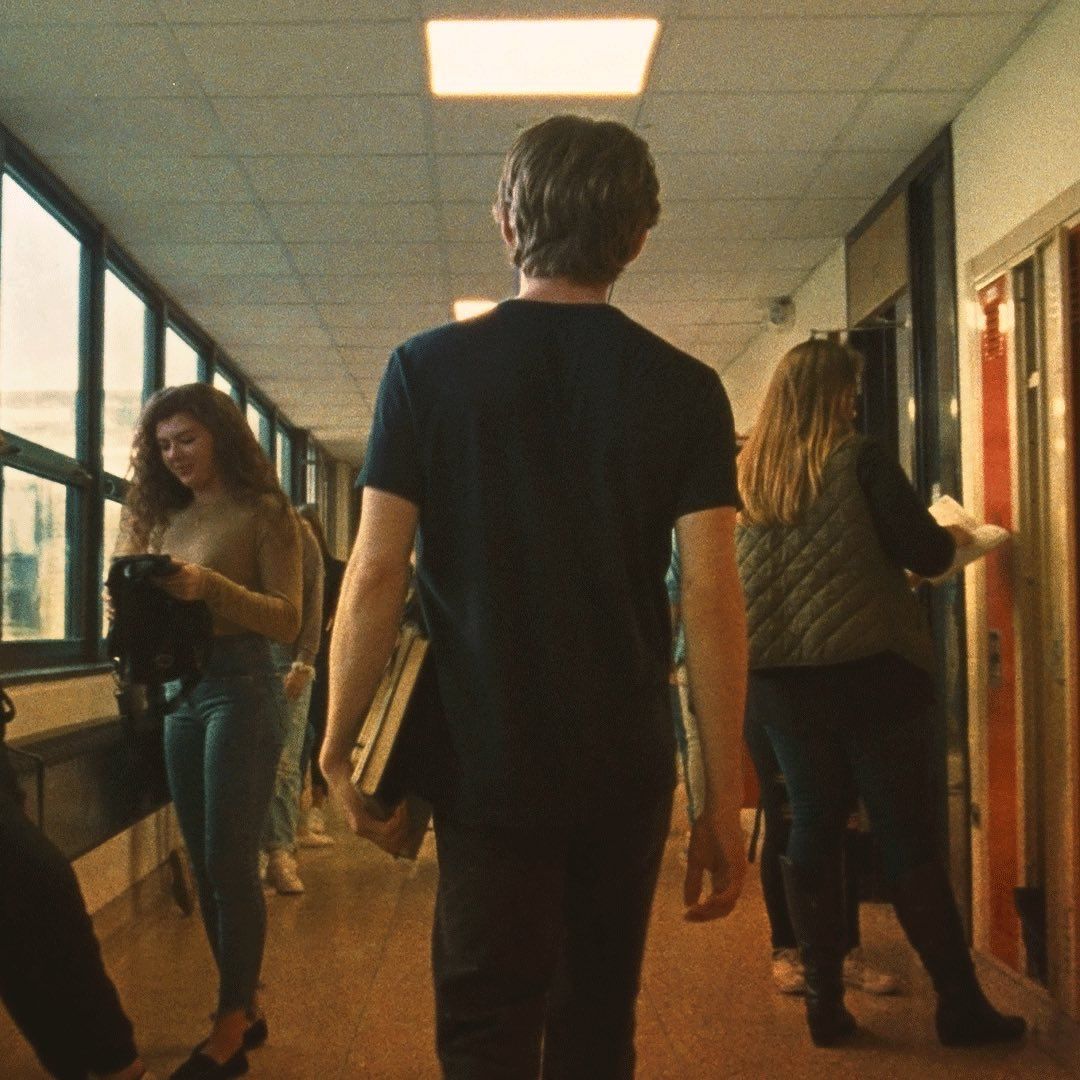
(55, 674)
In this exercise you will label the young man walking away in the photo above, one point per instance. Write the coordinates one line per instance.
(544, 451)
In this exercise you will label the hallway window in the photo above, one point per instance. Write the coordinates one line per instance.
(124, 363)
(181, 359)
(39, 321)
(35, 561)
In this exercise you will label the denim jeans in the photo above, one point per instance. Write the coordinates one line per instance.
(280, 832)
(222, 743)
(827, 741)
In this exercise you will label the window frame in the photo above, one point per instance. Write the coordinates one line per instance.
(84, 476)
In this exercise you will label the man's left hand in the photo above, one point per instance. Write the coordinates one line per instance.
(716, 848)
(390, 835)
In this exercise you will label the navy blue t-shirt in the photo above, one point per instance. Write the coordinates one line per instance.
(549, 448)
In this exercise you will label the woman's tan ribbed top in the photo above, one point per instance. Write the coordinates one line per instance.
(252, 554)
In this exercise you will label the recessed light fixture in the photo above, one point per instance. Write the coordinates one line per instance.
(470, 308)
(539, 57)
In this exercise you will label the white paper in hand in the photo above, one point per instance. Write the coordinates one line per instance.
(947, 511)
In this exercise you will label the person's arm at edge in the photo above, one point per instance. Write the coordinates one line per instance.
(714, 619)
(365, 628)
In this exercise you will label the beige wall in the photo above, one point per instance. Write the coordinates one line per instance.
(820, 304)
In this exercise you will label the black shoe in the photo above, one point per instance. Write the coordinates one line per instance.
(201, 1066)
(816, 905)
(256, 1034)
(970, 1020)
(927, 911)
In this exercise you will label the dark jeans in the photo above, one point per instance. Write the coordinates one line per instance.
(52, 980)
(776, 810)
(222, 743)
(537, 945)
(827, 740)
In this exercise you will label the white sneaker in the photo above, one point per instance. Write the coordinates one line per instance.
(859, 975)
(282, 873)
(788, 974)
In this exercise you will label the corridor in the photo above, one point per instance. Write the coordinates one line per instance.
(348, 990)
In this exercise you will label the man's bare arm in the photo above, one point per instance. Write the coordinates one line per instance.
(714, 619)
(365, 629)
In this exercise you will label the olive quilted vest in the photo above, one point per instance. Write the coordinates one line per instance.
(824, 591)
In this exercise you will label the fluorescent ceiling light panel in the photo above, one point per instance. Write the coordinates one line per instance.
(469, 309)
(540, 57)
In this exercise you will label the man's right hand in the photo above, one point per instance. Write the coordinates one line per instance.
(716, 848)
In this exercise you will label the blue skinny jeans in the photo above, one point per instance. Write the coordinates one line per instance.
(829, 740)
(222, 743)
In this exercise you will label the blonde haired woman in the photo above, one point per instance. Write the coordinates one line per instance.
(841, 677)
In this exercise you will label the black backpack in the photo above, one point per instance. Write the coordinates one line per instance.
(154, 638)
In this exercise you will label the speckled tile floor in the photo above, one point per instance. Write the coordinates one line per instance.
(348, 990)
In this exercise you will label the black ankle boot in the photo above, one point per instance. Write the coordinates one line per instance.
(816, 904)
(927, 911)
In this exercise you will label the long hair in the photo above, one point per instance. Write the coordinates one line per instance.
(309, 512)
(154, 493)
(803, 419)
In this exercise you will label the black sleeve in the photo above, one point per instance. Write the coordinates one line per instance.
(392, 461)
(908, 533)
(709, 477)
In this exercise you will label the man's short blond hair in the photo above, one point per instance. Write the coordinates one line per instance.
(579, 194)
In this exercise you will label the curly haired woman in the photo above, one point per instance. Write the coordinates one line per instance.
(203, 492)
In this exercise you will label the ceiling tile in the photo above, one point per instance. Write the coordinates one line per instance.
(468, 179)
(731, 176)
(852, 175)
(797, 8)
(354, 317)
(371, 361)
(329, 222)
(110, 61)
(823, 217)
(469, 222)
(325, 259)
(987, 7)
(258, 316)
(109, 126)
(719, 255)
(188, 222)
(379, 339)
(328, 126)
(476, 258)
(241, 289)
(376, 289)
(686, 313)
(300, 59)
(214, 258)
(956, 53)
(284, 337)
(116, 12)
(259, 11)
(799, 55)
(744, 123)
(902, 122)
(306, 178)
(121, 179)
(490, 126)
(495, 283)
(723, 218)
(537, 9)
(792, 254)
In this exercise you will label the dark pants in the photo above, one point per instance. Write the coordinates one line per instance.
(222, 744)
(829, 740)
(537, 947)
(776, 811)
(52, 980)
